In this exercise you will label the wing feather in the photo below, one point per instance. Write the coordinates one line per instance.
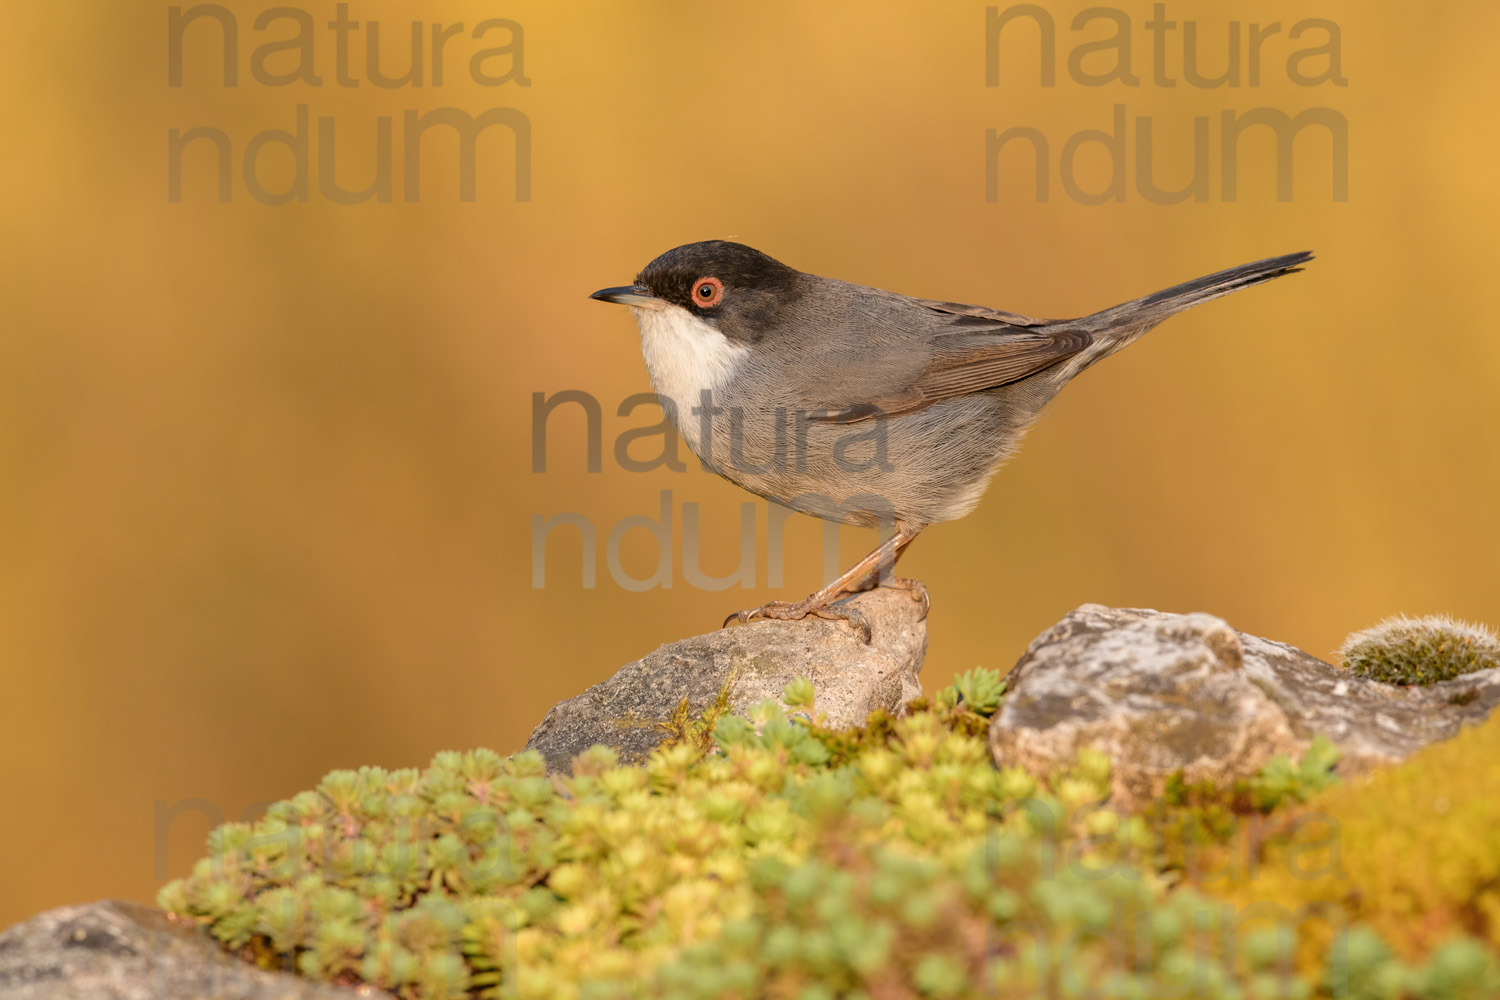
(965, 362)
(981, 312)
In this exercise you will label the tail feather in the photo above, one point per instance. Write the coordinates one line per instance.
(1154, 308)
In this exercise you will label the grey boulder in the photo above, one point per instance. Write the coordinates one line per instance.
(126, 951)
(1162, 693)
(756, 662)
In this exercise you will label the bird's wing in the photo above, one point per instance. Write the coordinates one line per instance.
(981, 313)
(965, 361)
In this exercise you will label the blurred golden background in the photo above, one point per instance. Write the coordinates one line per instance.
(266, 488)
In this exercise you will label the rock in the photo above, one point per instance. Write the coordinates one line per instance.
(1163, 692)
(126, 951)
(758, 660)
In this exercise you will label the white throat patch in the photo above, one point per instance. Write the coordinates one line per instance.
(685, 356)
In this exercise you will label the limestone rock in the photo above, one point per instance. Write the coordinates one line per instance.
(757, 660)
(126, 951)
(1165, 692)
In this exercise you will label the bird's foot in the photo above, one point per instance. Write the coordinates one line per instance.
(788, 611)
(916, 588)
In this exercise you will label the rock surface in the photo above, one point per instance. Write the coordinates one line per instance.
(758, 660)
(126, 951)
(1164, 692)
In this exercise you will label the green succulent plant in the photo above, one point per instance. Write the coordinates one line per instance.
(1403, 650)
(768, 857)
(979, 689)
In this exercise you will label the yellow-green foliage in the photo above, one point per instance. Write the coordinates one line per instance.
(1412, 851)
(1420, 650)
(1199, 829)
(789, 861)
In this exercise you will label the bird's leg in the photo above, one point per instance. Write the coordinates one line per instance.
(880, 577)
(820, 604)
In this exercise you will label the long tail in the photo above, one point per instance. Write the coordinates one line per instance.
(1154, 308)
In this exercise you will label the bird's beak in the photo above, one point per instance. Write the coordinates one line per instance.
(628, 295)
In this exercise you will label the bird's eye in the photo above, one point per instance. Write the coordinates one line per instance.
(708, 291)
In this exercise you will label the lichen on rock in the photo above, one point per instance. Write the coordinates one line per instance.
(748, 664)
(1166, 693)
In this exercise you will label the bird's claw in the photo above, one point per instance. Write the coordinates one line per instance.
(916, 588)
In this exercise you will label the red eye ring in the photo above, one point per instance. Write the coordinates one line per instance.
(707, 292)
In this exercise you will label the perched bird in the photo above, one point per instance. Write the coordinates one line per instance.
(859, 405)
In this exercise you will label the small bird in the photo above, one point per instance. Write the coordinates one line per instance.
(859, 405)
